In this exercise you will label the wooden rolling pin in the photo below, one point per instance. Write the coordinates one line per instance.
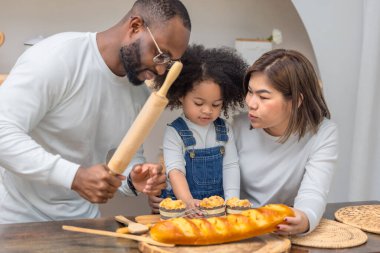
(143, 123)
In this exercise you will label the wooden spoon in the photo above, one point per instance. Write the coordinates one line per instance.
(114, 234)
(133, 227)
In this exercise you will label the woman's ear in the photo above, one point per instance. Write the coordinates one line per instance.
(181, 100)
(300, 100)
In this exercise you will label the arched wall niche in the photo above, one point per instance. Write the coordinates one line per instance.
(218, 23)
(336, 32)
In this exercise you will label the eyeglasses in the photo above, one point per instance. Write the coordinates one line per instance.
(161, 58)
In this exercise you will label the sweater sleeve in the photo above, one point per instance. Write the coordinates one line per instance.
(313, 192)
(173, 151)
(231, 171)
(27, 95)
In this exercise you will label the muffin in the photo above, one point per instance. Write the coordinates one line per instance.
(235, 205)
(171, 208)
(213, 206)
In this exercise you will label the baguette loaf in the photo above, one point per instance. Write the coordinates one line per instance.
(233, 227)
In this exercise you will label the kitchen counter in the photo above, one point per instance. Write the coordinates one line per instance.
(49, 237)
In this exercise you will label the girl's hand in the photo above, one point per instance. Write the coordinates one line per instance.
(192, 207)
(294, 225)
(154, 203)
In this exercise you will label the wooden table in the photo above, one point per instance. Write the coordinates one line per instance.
(49, 237)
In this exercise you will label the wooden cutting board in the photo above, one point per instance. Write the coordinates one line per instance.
(148, 219)
(269, 243)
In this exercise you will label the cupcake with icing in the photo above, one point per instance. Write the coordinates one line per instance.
(213, 206)
(170, 208)
(235, 205)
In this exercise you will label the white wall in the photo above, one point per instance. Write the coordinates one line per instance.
(335, 30)
(215, 23)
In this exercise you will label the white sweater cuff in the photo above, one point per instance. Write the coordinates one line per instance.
(313, 220)
(63, 173)
(313, 209)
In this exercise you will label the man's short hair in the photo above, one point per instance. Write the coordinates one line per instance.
(158, 11)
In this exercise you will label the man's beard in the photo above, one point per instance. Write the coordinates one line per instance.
(131, 59)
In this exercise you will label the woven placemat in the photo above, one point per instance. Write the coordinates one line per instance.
(333, 235)
(365, 217)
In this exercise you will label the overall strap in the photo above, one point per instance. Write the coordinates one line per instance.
(221, 130)
(183, 130)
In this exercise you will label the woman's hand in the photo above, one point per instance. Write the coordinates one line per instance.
(294, 225)
(148, 178)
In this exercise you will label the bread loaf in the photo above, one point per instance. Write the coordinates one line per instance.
(215, 230)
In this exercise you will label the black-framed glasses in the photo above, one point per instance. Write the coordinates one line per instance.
(161, 58)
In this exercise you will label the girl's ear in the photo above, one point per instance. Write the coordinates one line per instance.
(181, 100)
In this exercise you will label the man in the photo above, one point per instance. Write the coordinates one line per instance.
(67, 103)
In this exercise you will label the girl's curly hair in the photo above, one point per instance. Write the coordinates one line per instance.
(224, 66)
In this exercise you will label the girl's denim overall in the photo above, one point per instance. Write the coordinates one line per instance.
(204, 167)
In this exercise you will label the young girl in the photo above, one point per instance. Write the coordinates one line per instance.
(286, 143)
(199, 150)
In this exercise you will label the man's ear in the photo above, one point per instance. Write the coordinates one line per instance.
(136, 23)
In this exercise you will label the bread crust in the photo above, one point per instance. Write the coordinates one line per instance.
(216, 230)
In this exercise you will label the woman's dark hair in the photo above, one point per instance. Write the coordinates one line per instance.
(221, 65)
(293, 75)
(159, 11)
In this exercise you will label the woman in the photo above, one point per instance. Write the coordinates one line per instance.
(286, 143)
